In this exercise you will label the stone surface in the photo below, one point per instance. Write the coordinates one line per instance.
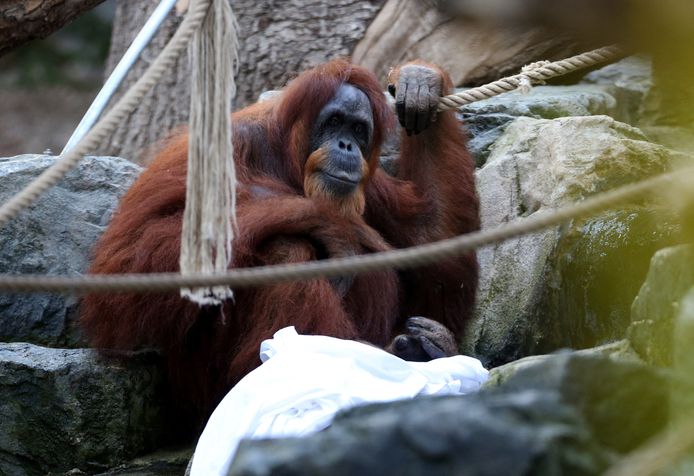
(633, 73)
(568, 286)
(619, 350)
(471, 52)
(54, 237)
(630, 80)
(670, 276)
(486, 120)
(566, 413)
(520, 433)
(62, 409)
(160, 463)
(623, 402)
(617, 90)
(499, 375)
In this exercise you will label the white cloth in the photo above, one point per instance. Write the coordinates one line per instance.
(304, 380)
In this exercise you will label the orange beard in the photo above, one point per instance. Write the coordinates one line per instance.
(352, 204)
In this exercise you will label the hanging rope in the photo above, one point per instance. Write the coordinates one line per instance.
(210, 213)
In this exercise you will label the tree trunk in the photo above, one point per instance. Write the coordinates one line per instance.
(24, 20)
(661, 29)
(472, 53)
(163, 107)
(277, 40)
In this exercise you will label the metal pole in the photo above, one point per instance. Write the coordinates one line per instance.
(119, 72)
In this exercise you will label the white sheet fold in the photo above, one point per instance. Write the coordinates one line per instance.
(304, 380)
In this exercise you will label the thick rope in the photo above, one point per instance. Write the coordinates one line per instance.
(398, 259)
(166, 59)
(403, 258)
(164, 62)
(209, 218)
(535, 73)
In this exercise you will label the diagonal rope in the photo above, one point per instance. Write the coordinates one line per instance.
(398, 259)
(164, 62)
(536, 73)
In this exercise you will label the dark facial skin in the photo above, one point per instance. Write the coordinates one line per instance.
(344, 129)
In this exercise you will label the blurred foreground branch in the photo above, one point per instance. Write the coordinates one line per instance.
(664, 29)
(22, 20)
(632, 22)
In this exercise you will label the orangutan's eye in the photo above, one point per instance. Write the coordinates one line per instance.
(334, 120)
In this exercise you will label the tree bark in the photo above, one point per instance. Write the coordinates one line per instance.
(166, 105)
(277, 40)
(24, 20)
(472, 53)
(662, 29)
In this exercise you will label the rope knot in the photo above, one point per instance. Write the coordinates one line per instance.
(527, 78)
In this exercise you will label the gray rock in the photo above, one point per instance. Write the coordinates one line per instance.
(617, 90)
(54, 237)
(62, 409)
(151, 466)
(633, 73)
(620, 350)
(624, 403)
(269, 95)
(486, 120)
(566, 413)
(630, 80)
(499, 375)
(483, 130)
(670, 276)
(518, 433)
(160, 463)
(569, 286)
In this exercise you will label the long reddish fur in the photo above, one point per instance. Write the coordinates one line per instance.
(208, 350)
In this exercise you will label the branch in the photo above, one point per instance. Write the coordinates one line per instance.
(24, 20)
